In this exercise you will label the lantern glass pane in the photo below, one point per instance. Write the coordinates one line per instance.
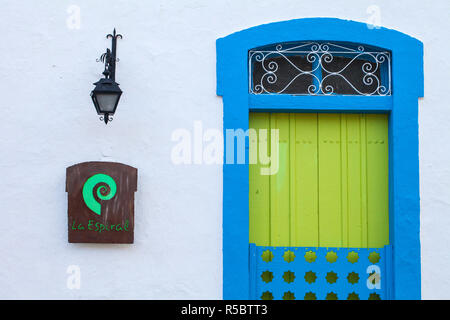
(107, 101)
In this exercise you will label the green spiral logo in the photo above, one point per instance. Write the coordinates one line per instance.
(105, 191)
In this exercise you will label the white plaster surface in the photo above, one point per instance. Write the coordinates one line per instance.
(167, 72)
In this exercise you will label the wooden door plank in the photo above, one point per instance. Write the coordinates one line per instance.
(330, 220)
(355, 235)
(304, 178)
(259, 190)
(279, 184)
(377, 180)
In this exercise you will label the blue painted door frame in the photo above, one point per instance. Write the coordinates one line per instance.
(402, 107)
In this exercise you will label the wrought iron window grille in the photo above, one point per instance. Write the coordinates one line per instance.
(320, 68)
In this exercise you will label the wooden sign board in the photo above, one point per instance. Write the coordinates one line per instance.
(101, 202)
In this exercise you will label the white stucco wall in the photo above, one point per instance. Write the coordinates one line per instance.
(167, 72)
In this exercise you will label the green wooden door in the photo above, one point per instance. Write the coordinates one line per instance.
(331, 189)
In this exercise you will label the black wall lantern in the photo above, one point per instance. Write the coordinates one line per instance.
(106, 93)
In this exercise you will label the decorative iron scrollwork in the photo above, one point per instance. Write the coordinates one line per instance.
(319, 68)
(109, 57)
